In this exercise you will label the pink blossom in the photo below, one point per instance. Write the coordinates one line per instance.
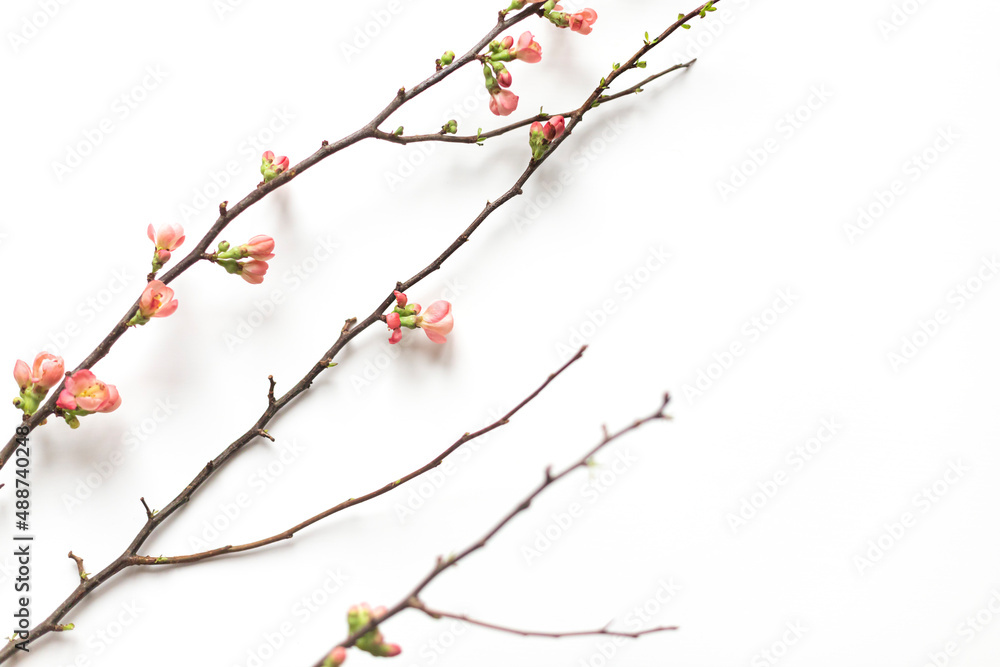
(392, 319)
(259, 247)
(22, 375)
(271, 166)
(437, 321)
(581, 22)
(157, 300)
(527, 49)
(167, 237)
(253, 271)
(400, 298)
(85, 392)
(46, 372)
(555, 127)
(502, 102)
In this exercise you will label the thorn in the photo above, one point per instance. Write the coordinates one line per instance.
(264, 434)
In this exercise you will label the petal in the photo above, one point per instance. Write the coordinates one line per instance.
(66, 400)
(435, 336)
(22, 374)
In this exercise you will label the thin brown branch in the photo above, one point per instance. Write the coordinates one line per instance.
(79, 566)
(149, 512)
(270, 390)
(437, 613)
(412, 599)
(476, 138)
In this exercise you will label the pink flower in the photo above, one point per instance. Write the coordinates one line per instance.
(167, 237)
(400, 298)
(86, 393)
(45, 373)
(527, 49)
(437, 321)
(260, 247)
(581, 22)
(271, 166)
(253, 271)
(157, 300)
(502, 102)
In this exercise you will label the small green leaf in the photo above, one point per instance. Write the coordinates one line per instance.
(641, 64)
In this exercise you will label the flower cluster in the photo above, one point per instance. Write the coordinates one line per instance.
(167, 239)
(259, 249)
(503, 102)
(35, 382)
(272, 166)
(436, 321)
(372, 642)
(540, 136)
(157, 300)
(580, 22)
(84, 394)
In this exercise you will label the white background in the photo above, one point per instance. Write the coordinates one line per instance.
(544, 274)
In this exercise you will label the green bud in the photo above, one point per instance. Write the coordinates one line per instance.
(447, 58)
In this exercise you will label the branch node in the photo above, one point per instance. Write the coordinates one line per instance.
(270, 390)
(79, 566)
(149, 512)
(222, 208)
(264, 434)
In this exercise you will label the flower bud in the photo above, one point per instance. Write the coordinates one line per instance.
(400, 298)
(447, 58)
(451, 127)
(271, 166)
(253, 271)
(259, 247)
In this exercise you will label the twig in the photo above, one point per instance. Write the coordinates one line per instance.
(351, 502)
(412, 599)
(79, 566)
(149, 512)
(436, 613)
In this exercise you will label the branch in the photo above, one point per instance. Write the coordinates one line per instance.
(412, 599)
(351, 502)
(435, 613)
(474, 139)
(228, 214)
(79, 566)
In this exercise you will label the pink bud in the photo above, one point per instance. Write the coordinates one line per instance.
(392, 319)
(400, 298)
(504, 78)
(253, 271)
(47, 371)
(337, 657)
(503, 102)
(157, 300)
(391, 650)
(85, 392)
(437, 321)
(558, 123)
(22, 375)
(581, 22)
(536, 128)
(162, 256)
(167, 237)
(282, 163)
(268, 156)
(259, 247)
(528, 50)
(395, 336)
(507, 42)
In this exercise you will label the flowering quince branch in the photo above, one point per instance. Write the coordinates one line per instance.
(98, 397)
(130, 557)
(413, 601)
(169, 239)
